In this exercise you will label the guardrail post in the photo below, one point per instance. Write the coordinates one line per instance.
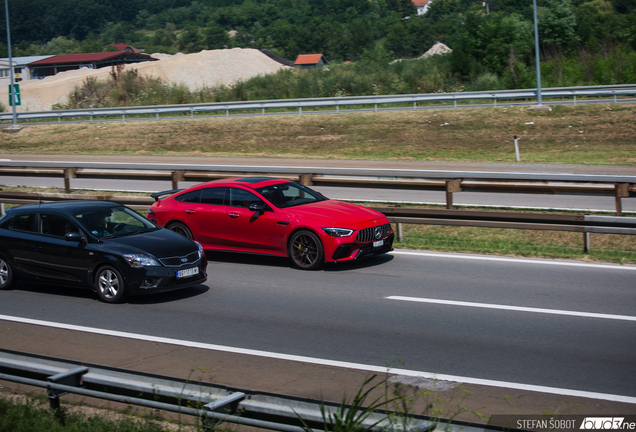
(227, 405)
(400, 232)
(305, 179)
(586, 242)
(621, 190)
(70, 378)
(177, 176)
(69, 173)
(452, 186)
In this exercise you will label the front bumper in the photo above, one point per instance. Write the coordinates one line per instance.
(356, 251)
(152, 280)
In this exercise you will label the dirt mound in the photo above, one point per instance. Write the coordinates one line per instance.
(198, 70)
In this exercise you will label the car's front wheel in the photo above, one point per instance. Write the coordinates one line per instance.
(110, 285)
(180, 228)
(305, 250)
(6, 274)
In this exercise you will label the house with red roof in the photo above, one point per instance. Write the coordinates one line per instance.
(310, 61)
(422, 6)
(60, 63)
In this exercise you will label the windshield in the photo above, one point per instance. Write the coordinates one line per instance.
(290, 194)
(113, 222)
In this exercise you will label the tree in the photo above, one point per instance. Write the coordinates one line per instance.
(557, 25)
(216, 38)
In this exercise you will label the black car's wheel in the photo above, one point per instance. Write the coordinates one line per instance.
(110, 285)
(6, 274)
(305, 250)
(180, 228)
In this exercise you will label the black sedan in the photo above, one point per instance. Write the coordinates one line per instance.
(99, 245)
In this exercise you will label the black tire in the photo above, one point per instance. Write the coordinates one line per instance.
(180, 228)
(305, 250)
(7, 280)
(109, 285)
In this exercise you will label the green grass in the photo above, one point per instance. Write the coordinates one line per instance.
(34, 416)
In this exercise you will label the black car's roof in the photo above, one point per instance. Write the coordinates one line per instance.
(66, 206)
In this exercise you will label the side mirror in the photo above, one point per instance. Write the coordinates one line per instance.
(259, 207)
(74, 236)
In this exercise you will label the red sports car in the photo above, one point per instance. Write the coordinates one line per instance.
(273, 216)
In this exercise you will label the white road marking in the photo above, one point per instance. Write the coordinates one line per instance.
(516, 260)
(326, 362)
(514, 308)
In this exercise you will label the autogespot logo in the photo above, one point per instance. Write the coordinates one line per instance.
(607, 423)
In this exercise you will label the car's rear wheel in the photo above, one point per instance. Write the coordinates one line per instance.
(305, 250)
(180, 228)
(6, 274)
(110, 285)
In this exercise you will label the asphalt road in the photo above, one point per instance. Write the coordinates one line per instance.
(521, 335)
(525, 322)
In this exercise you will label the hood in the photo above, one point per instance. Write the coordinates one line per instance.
(161, 243)
(337, 213)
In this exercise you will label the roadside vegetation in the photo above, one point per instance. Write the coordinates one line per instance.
(599, 134)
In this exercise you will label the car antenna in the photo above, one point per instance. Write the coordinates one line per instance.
(39, 199)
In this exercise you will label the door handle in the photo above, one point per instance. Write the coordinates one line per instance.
(234, 215)
(190, 211)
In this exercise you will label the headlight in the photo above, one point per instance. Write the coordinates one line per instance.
(338, 232)
(200, 248)
(139, 260)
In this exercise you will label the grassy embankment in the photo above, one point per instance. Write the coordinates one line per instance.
(584, 134)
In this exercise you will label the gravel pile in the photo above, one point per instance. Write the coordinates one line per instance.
(438, 48)
(203, 69)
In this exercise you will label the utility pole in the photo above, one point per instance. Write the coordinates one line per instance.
(11, 88)
(536, 52)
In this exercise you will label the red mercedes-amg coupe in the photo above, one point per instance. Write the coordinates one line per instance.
(273, 216)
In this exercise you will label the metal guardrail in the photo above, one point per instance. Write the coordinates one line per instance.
(581, 223)
(336, 102)
(215, 404)
(450, 182)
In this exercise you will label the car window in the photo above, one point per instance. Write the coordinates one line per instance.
(190, 197)
(290, 194)
(113, 222)
(25, 222)
(242, 198)
(213, 195)
(55, 225)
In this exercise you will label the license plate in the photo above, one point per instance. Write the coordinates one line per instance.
(188, 272)
(378, 243)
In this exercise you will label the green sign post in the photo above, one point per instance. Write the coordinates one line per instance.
(16, 95)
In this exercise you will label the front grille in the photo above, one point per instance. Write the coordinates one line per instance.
(179, 261)
(369, 234)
